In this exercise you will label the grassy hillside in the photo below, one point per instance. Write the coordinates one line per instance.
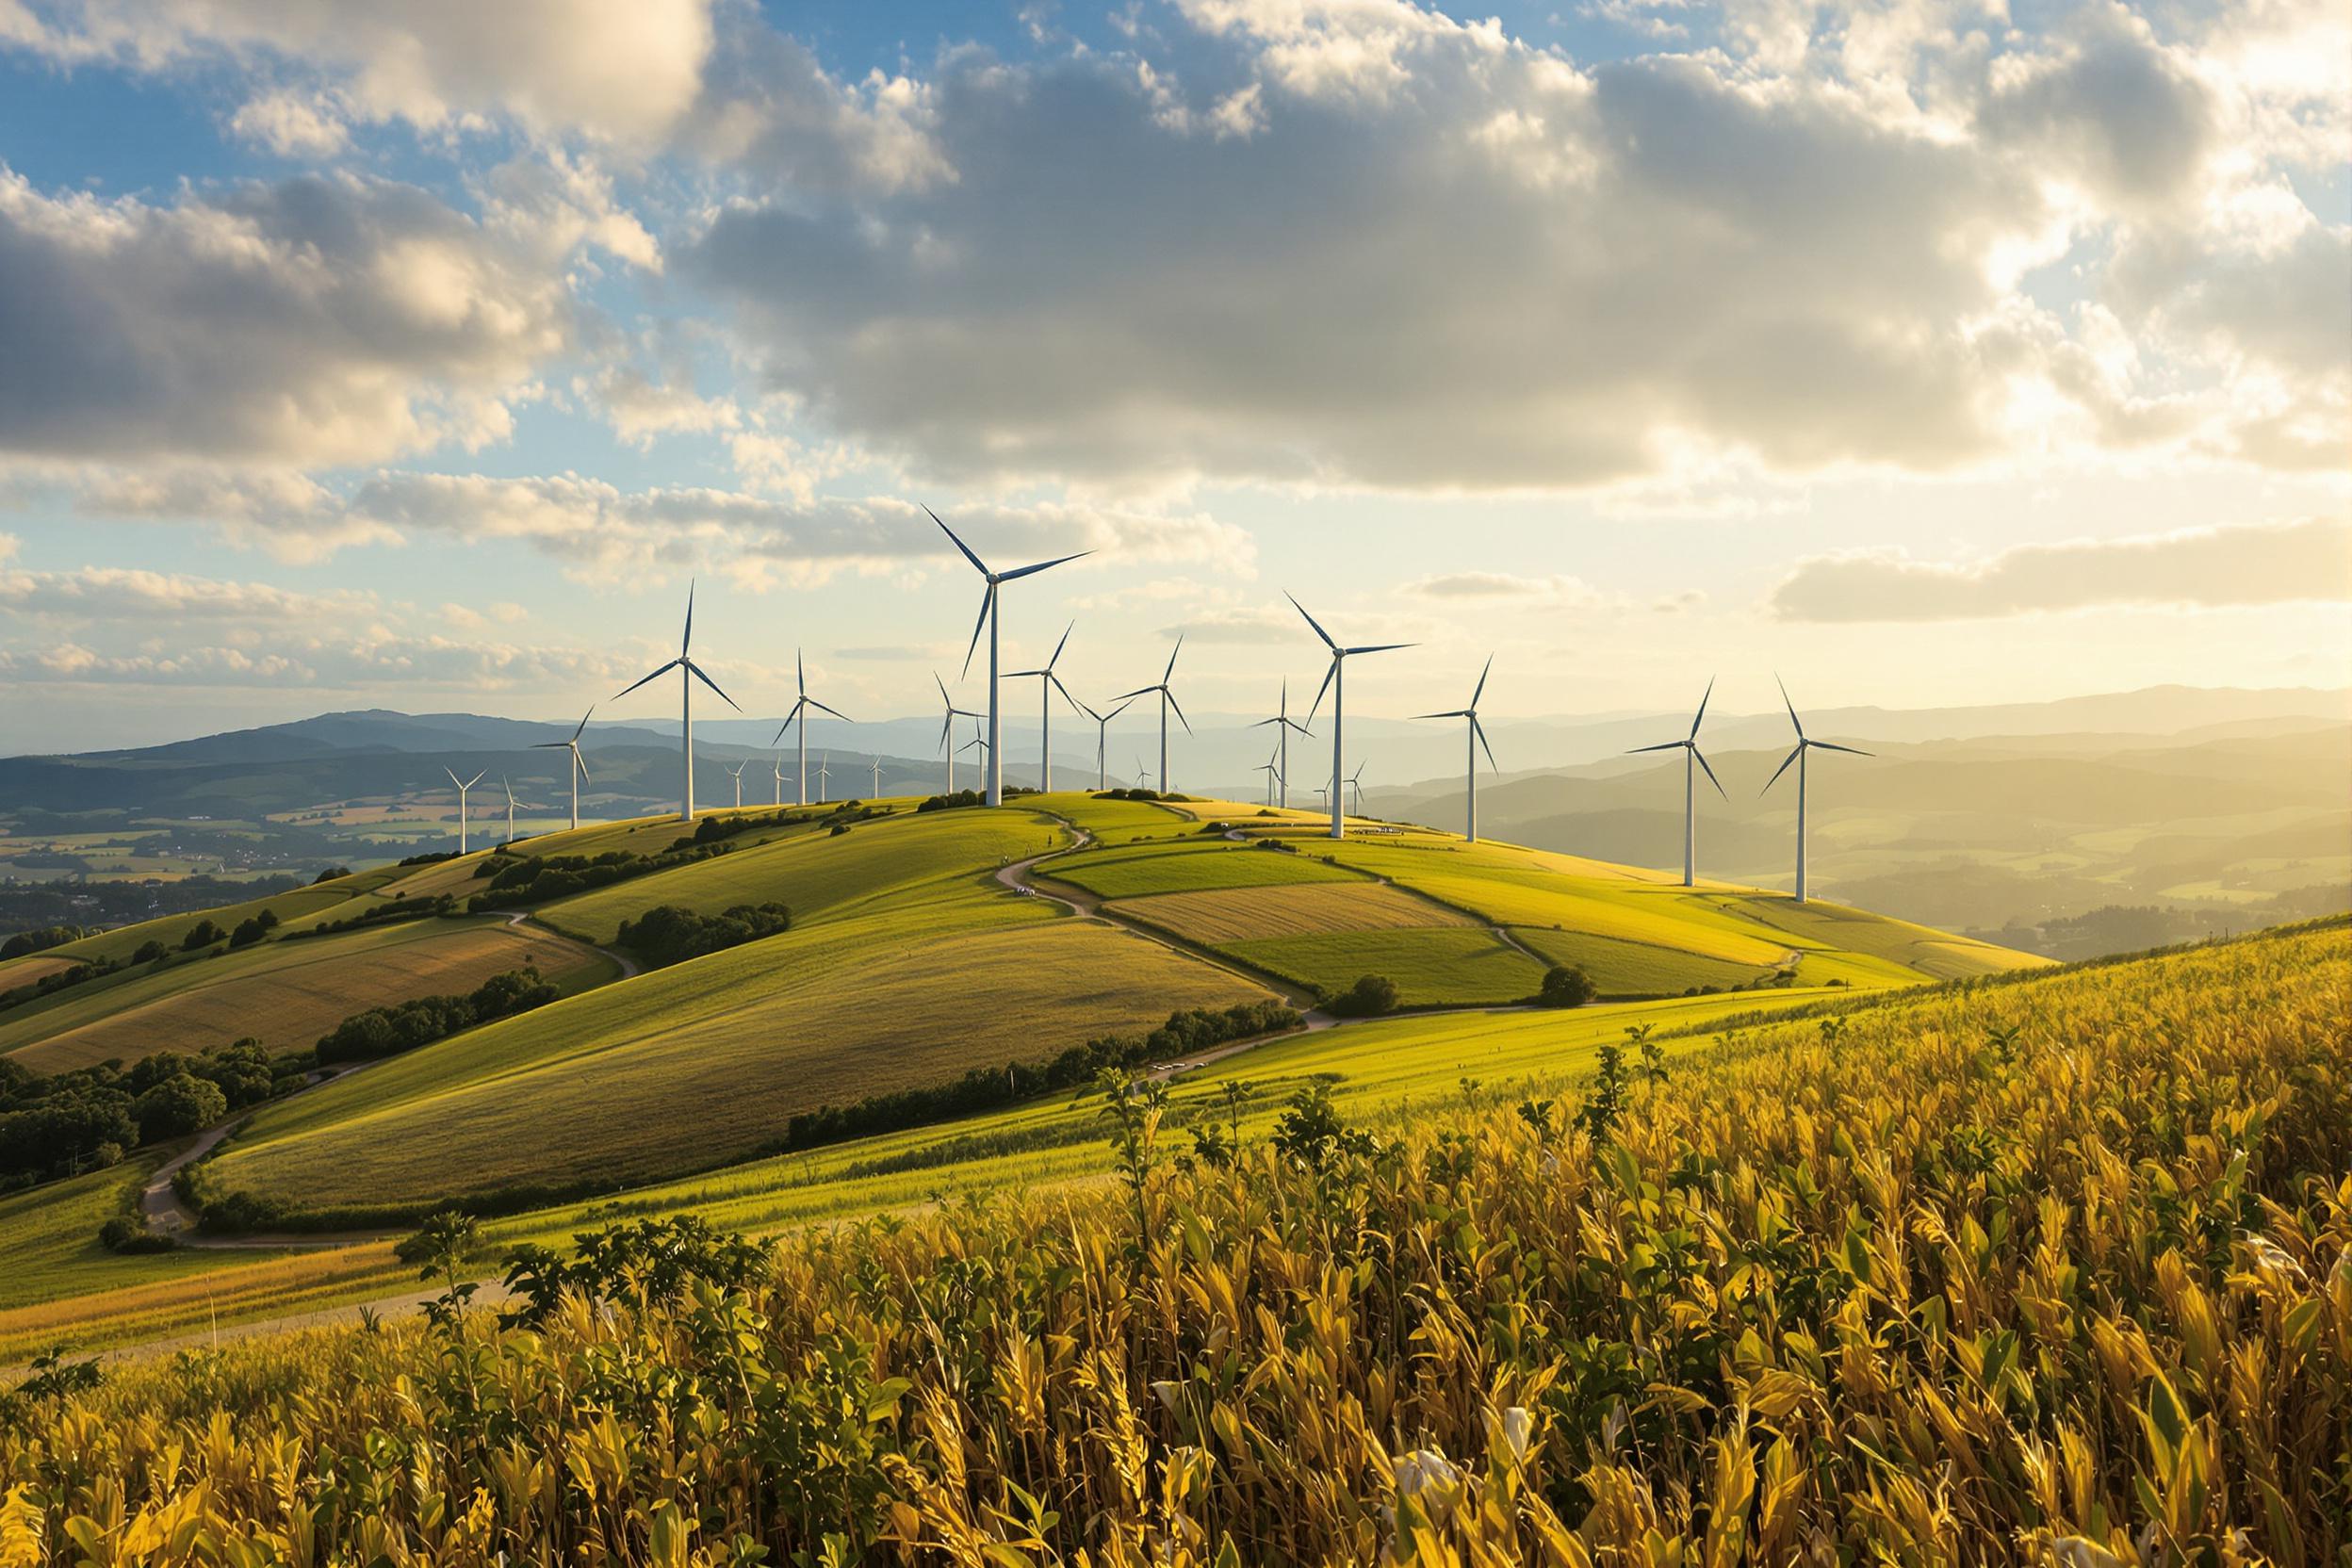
(285, 993)
(2037, 1270)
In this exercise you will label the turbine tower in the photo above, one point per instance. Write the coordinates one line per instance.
(736, 773)
(1284, 723)
(688, 673)
(1804, 744)
(947, 725)
(1101, 741)
(1334, 681)
(462, 787)
(580, 766)
(1477, 739)
(1168, 700)
(823, 777)
(1689, 746)
(510, 806)
(800, 711)
(990, 621)
(1048, 683)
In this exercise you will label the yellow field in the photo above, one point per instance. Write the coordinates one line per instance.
(1297, 910)
(31, 967)
(285, 993)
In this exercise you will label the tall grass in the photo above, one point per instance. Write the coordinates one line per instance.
(2054, 1270)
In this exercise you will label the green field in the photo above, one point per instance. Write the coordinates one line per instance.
(285, 993)
(1224, 915)
(1189, 865)
(1619, 968)
(1449, 966)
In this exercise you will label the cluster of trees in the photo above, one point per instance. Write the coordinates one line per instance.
(406, 1025)
(1369, 997)
(41, 941)
(1132, 794)
(379, 914)
(1185, 1034)
(668, 934)
(57, 1124)
(525, 880)
(253, 928)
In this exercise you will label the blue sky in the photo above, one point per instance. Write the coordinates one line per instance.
(417, 357)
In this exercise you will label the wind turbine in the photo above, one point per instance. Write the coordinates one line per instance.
(1143, 774)
(1168, 700)
(947, 725)
(462, 787)
(1804, 744)
(1689, 746)
(989, 620)
(1355, 782)
(800, 711)
(1048, 683)
(1273, 772)
(1334, 681)
(1284, 723)
(1102, 741)
(736, 773)
(878, 778)
(823, 777)
(1477, 739)
(688, 673)
(510, 806)
(580, 766)
(779, 777)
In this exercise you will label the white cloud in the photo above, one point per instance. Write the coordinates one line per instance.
(292, 124)
(1552, 588)
(2242, 563)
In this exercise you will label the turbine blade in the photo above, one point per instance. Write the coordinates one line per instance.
(1832, 745)
(583, 721)
(1056, 681)
(1710, 773)
(1482, 674)
(988, 601)
(1701, 712)
(688, 641)
(1449, 713)
(582, 762)
(1330, 671)
(551, 745)
(1138, 691)
(476, 779)
(1382, 648)
(662, 671)
(800, 673)
(947, 728)
(1170, 674)
(695, 669)
(1662, 745)
(1782, 769)
(1179, 712)
(835, 712)
(452, 775)
(1311, 620)
(1120, 708)
(1059, 646)
(787, 724)
(1791, 707)
(1479, 731)
(942, 686)
(977, 564)
(1032, 571)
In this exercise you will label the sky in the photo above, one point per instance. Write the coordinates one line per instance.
(1923, 351)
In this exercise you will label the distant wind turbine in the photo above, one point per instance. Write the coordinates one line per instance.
(1143, 774)
(989, 619)
(878, 778)
(1689, 746)
(800, 711)
(1334, 681)
(1048, 683)
(510, 806)
(1284, 723)
(948, 724)
(1804, 744)
(736, 773)
(1355, 782)
(1477, 739)
(1168, 700)
(580, 765)
(1273, 771)
(688, 673)
(778, 769)
(1102, 741)
(823, 778)
(462, 787)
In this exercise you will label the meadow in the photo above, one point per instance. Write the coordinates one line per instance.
(2045, 1270)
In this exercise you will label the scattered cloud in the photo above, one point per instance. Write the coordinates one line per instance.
(2240, 564)
(1552, 588)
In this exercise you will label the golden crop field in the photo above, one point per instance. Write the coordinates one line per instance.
(2057, 1269)
(1294, 910)
(285, 993)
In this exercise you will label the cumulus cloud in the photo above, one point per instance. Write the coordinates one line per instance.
(325, 663)
(319, 321)
(2240, 564)
(292, 124)
(625, 70)
(123, 593)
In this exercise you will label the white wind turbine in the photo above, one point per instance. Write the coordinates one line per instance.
(1143, 774)
(1102, 741)
(823, 778)
(462, 785)
(580, 765)
(1048, 683)
(1689, 746)
(1284, 723)
(800, 711)
(779, 777)
(1477, 739)
(736, 773)
(947, 725)
(989, 620)
(688, 673)
(1334, 681)
(1355, 783)
(510, 806)
(1804, 744)
(1168, 700)
(1272, 769)
(878, 778)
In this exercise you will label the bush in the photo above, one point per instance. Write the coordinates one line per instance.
(148, 952)
(668, 934)
(1565, 986)
(330, 874)
(41, 941)
(1369, 997)
(406, 1025)
(204, 934)
(126, 1235)
(179, 1106)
